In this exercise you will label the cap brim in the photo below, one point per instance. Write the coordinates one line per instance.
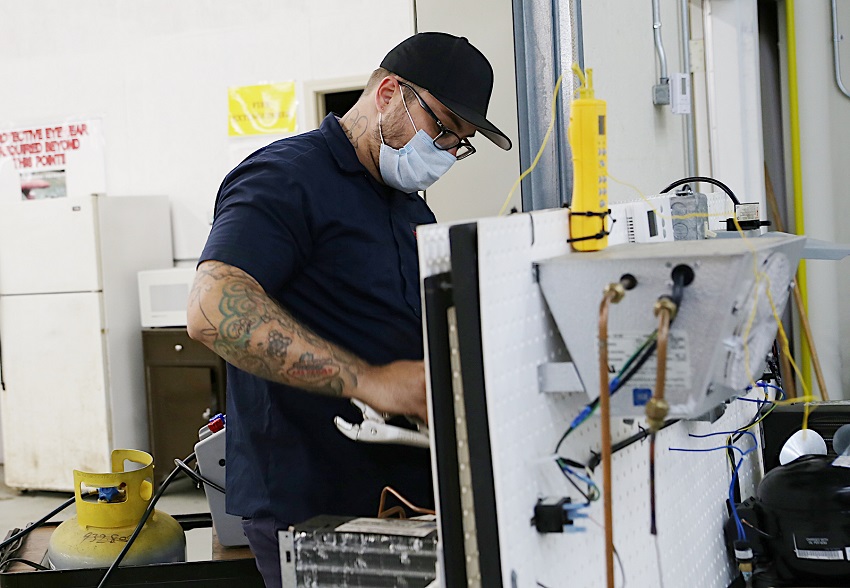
(487, 128)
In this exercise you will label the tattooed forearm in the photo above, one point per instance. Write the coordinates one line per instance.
(232, 314)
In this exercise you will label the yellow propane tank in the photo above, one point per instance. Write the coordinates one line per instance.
(100, 530)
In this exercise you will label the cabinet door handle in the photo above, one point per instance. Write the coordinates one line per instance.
(178, 347)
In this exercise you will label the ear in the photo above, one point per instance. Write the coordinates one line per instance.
(387, 88)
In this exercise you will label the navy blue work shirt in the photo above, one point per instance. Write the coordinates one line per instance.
(337, 250)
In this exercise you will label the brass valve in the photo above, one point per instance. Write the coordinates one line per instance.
(618, 290)
(656, 412)
(666, 303)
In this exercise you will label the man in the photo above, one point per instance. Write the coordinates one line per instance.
(309, 287)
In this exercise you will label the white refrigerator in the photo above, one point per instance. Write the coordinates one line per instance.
(71, 365)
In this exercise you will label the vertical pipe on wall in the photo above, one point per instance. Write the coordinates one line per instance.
(796, 171)
(836, 55)
(543, 40)
(579, 34)
(685, 40)
(523, 110)
(563, 154)
(659, 46)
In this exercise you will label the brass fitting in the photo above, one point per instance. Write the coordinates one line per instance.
(666, 303)
(656, 412)
(618, 290)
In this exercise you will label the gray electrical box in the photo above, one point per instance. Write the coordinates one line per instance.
(721, 334)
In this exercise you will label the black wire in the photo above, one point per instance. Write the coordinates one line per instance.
(756, 529)
(596, 458)
(575, 485)
(742, 430)
(197, 476)
(572, 463)
(678, 288)
(591, 406)
(38, 523)
(32, 564)
(174, 473)
(636, 366)
(647, 353)
(774, 365)
(717, 183)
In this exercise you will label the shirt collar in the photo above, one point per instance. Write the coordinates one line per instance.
(341, 148)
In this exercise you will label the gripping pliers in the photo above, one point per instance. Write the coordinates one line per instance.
(374, 429)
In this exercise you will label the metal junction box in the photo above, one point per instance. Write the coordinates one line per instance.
(721, 335)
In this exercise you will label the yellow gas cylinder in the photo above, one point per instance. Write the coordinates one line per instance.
(101, 528)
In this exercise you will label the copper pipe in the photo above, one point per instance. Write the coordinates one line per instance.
(657, 407)
(661, 351)
(788, 383)
(389, 512)
(798, 302)
(807, 329)
(611, 295)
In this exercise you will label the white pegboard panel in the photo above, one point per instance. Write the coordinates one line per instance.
(434, 254)
(434, 258)
(517, 335)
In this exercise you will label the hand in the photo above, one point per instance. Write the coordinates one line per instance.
(397, 388)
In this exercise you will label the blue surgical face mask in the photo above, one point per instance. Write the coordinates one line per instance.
(415, 166)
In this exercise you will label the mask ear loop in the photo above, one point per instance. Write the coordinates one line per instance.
(404, 103)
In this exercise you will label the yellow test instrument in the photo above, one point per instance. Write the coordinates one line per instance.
(589, 206)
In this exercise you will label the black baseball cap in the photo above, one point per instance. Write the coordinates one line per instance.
(454, 72)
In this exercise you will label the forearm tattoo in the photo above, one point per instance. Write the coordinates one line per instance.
(254, 333)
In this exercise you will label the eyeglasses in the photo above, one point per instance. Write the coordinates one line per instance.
(446, 139)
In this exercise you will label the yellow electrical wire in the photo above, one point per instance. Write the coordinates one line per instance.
(539, 151)
(658, 213)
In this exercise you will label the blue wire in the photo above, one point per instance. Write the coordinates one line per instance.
(581, 478)
(750, 433)
(743, 453)
(581, 417)
(761, 384)
(738, 525)
(742, 535)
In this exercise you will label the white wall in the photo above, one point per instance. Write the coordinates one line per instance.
(478, 185)
(157, 73)
(645, 142)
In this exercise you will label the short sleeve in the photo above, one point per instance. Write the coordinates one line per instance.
(262, 223)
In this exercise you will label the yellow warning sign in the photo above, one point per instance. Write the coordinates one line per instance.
(262, 109)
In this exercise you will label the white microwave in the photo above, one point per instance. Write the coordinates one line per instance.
(163, 295)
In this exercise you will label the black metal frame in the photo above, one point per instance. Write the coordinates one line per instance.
(463, 240)
(200, 574)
